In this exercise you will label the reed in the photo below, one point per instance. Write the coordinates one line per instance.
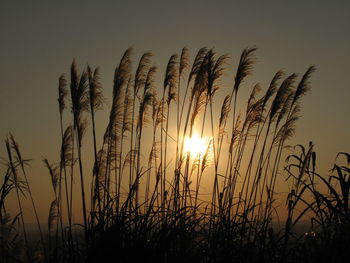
(146, 193)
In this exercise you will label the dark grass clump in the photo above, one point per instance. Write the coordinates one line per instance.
(144, 198)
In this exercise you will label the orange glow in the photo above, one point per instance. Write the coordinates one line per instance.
(195, 146)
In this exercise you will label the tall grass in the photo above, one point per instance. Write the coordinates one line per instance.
(147, 197)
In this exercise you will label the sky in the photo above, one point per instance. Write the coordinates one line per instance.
(39, 40)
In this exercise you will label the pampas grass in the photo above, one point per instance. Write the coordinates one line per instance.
(147, 196)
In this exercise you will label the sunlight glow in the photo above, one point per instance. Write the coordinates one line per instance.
(195, 146)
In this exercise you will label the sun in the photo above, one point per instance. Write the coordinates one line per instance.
(195, 146)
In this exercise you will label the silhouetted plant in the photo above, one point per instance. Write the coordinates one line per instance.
(154, 207)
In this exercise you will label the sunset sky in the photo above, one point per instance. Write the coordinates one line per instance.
(40, 39)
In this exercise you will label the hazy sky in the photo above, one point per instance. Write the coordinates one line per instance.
(39, 40)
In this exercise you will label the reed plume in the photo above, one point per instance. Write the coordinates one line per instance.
(96, 101)
(21, 162)
(79, 99)
(54, 211)
(225, 109)
(304, 85)
(114, 131)
(62, 93)
(139, 81)
(19, 187)
(170, 83)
